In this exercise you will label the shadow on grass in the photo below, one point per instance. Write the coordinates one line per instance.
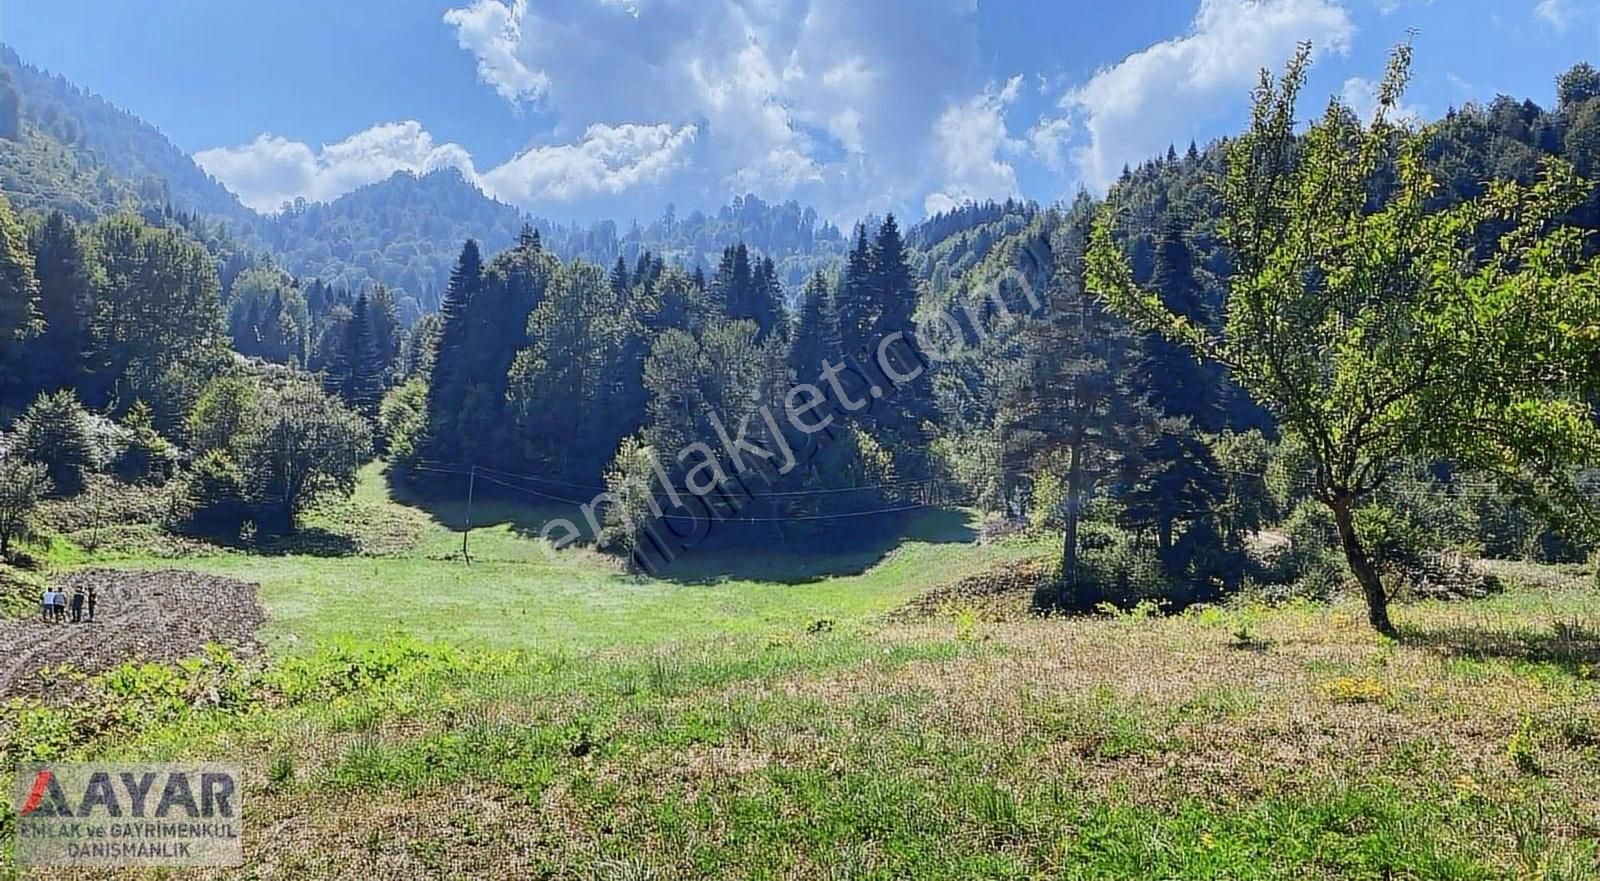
(444, 500)
(307, 541)
(805, 555)
(1572, 646)
(754, 552)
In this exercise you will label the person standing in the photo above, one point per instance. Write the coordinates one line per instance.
(77, 605)
(46, 600)
(92, 598)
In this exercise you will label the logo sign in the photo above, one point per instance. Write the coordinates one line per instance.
(128, 814)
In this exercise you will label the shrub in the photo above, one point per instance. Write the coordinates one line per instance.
(217, 420)
(299, 443)
(214, 493)
(1393, 539)
(55, 431)
(1048, 495)
(402, 419)
(22, 485)
(148, 456)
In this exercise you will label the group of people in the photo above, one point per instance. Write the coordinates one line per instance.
(54, 604)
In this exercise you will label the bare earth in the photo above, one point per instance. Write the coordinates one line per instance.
(140, 616)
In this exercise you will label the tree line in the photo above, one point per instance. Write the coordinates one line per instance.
(1288, 332)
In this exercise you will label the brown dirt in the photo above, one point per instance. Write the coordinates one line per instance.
(999, 595)
(140, 616)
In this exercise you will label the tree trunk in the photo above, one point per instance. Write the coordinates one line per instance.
(1361, 565)
(1069, 541)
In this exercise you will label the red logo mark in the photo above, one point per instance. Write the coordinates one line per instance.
(40, 784)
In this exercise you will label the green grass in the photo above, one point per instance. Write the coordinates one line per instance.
(516, 595)
(554, 718)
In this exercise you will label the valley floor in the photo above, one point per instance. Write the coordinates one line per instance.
(522, 718)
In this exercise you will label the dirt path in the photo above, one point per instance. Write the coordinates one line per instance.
(147, 616)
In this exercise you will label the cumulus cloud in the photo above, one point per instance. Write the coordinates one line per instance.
(971, 138)
(852, 106)
(826, 100)
(605, 161)
(493, 32)
(1137, 107)
(272, 170)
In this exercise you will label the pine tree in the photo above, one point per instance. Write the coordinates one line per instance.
(893, 293)
(447, 383)
(356, 375)
(19, 297)
(1075, 406)
(66, 277)
(619, 276)
(854, 298)
(766, 299)
(733, 285)
(816, 334)
(387, 334)
(1172, 378)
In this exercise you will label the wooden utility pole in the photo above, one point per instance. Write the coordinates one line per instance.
(472, 486)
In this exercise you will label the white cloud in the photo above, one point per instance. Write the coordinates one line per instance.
(272, 170)
(829, 101)
(492, 31)
(1361, 96)
(607, 160)
(1154, 97)
(970, 137)
(1557, 14)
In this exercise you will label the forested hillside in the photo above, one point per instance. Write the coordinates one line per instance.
(129, 147)
(405, 232)
(572, 357)
(73, 151)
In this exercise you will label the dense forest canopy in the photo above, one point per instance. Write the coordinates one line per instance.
(183, 336)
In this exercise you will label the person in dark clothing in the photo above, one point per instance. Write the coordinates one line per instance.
(77, 606)
(91, 604)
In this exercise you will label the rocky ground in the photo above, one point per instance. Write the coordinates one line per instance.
(145, 616)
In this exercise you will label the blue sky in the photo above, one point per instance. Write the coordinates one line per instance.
(589, 109)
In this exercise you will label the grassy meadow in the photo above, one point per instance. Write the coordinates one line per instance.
(523, 717)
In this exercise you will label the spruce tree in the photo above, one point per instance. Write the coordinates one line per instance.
(854, 299)
(816, 334)
(1172, 378)
(356, 375)
(19, 296)
(447, 382)
(65, 273)
(1075, 409)
(619, 276)
(766, 299)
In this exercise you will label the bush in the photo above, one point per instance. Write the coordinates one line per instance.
(1392, 540)
(22, 485)
(402, 419)
(214, 494)
(55, 431)
(217, 420)
(298, 444)
(1048, 496)
(148, 456)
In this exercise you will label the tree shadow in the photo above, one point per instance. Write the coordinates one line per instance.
(735, 552)
(1572, 646)
(308, 541)
(445, 503)
(803, 556)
